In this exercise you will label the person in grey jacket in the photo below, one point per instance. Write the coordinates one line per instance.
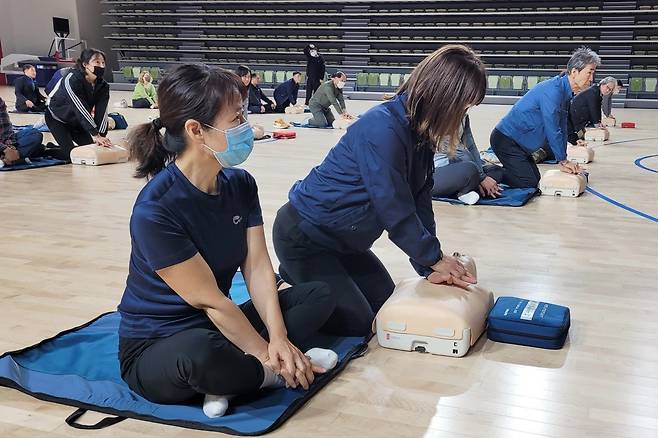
(464, 176)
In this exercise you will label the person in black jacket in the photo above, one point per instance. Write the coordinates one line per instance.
(315, 70)
(77, 112)
(285, 94)
(585, 110)
(28, 96)
(259, 103)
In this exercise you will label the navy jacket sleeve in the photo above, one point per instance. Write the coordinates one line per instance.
(426, 215)
(382, 164)
(555, 119)
(262, 96)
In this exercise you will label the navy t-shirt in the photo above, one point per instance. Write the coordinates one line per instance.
(172, 220)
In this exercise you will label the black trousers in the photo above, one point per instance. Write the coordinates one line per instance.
(358, 281)
(519, 168)
(197, 361)
(461, 177)
(281, 106)
(67, 137)
(141, 103)
(38, 107)
(312, 84)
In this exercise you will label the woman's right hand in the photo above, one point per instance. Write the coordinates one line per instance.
(449, 270)
(567, 166)
(103, 141)
(286, 359)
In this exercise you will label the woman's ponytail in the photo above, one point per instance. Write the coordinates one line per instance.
(146, 145)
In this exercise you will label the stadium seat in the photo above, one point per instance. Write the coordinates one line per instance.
(280, 76)
(155, 73)
(136, 72)
(407, 76)
(395, 79)
(517, 82)
(492, 81)
(637, 85)
(127, 72)
(362, 80)
(650, 84)
(268, 76)
(373, 79)
(505, 83)
(384, 79)
(532, 81)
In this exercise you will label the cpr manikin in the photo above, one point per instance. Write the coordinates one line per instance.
(94, 155)
(596, 135)
(582, 154)
(558, 183)
(434, 318)
(294, 109)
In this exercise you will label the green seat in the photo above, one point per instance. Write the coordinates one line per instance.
(155, 73)
(650, 84)
(268, 76)
(384, 79)
(136, 72)
(127, 72)
(289, 75)
(492, 81)
(280, 76)
(544, 78)
(637, 85)
(505, 83)
(373, 79)
(517, 82)
(260, 73)
(362, 79)
(407, 76)
(532, 81)
(395, 79)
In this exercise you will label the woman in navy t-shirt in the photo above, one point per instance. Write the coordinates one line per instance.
(193, 225)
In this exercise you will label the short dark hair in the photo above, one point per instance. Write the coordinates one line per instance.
(87, 55)
(189, 91)
(620, 83)
(27, 67)
(243, 70)
(338, 74)
(296, 73)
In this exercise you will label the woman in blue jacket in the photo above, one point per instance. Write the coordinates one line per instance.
(379, 177)
(539, 118)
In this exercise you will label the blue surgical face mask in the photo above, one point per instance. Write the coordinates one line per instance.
(240, 143)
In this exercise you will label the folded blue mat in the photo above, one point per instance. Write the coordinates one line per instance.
(305, 124)
(80, 367)
(509, 198)
(36, 163)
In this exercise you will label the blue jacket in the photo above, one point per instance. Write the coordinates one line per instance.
(287, 91)
(540, 117)
(378, 177)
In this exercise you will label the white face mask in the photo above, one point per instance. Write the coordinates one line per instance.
(340, 85)
(314, 53)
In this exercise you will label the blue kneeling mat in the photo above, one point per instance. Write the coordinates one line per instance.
(35, 164)
(510, 197)
(305, 124)
(524, 322)
(80, 367)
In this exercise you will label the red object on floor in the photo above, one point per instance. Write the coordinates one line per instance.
(628, 124)
(284, 134)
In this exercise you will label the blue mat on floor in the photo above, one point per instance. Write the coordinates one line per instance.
(36, 163)
(80, 367)
(41, 127)
(305, 124)
(509, 198)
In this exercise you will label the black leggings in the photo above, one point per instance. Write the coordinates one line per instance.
(519, 167)
(456, 179)
(141, 103)
(67, 137)
(197, 361)
(359, 281)
(312, 84)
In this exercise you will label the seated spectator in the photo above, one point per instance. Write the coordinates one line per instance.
(145, 95)
(285, 94)
(28, 96)
(17, 146)
(464, 176)
(259, 103)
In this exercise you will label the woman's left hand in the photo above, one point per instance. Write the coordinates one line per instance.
(293, 366)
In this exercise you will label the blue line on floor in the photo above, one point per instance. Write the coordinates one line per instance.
(620, 205)
(639, 164)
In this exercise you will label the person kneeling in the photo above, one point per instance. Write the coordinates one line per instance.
(197, 221)
(329, 94)
(464, 176)
(285, 94)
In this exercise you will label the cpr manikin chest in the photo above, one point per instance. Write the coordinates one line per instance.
(94, 155)
(580, 154)
(294, 109)
(557, 183)
(433, 318)
(596, 135)
(608, 121)
(341, 123)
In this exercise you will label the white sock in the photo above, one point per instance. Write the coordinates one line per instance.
(321, 357)
(469, 198)
(215, 405)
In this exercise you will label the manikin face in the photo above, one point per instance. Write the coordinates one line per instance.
(582, 79)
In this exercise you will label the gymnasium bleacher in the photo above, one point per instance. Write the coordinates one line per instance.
(378, 42)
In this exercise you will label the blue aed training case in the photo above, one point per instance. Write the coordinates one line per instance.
(525, 322)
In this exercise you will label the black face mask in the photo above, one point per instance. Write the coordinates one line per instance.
(99, 72)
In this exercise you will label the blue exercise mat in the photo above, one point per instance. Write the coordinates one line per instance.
(80, 367)
(305, 124)
(41, 127)
(509, 198)
(35, 164)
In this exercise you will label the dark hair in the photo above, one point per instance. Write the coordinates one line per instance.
(296, 73)
(87, 55)
(242, 70)
(439, 90)
(188, 91)
(620, 84)
(338, 74)
(27, 67)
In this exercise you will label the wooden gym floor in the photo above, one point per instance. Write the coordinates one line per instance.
(64, 258)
